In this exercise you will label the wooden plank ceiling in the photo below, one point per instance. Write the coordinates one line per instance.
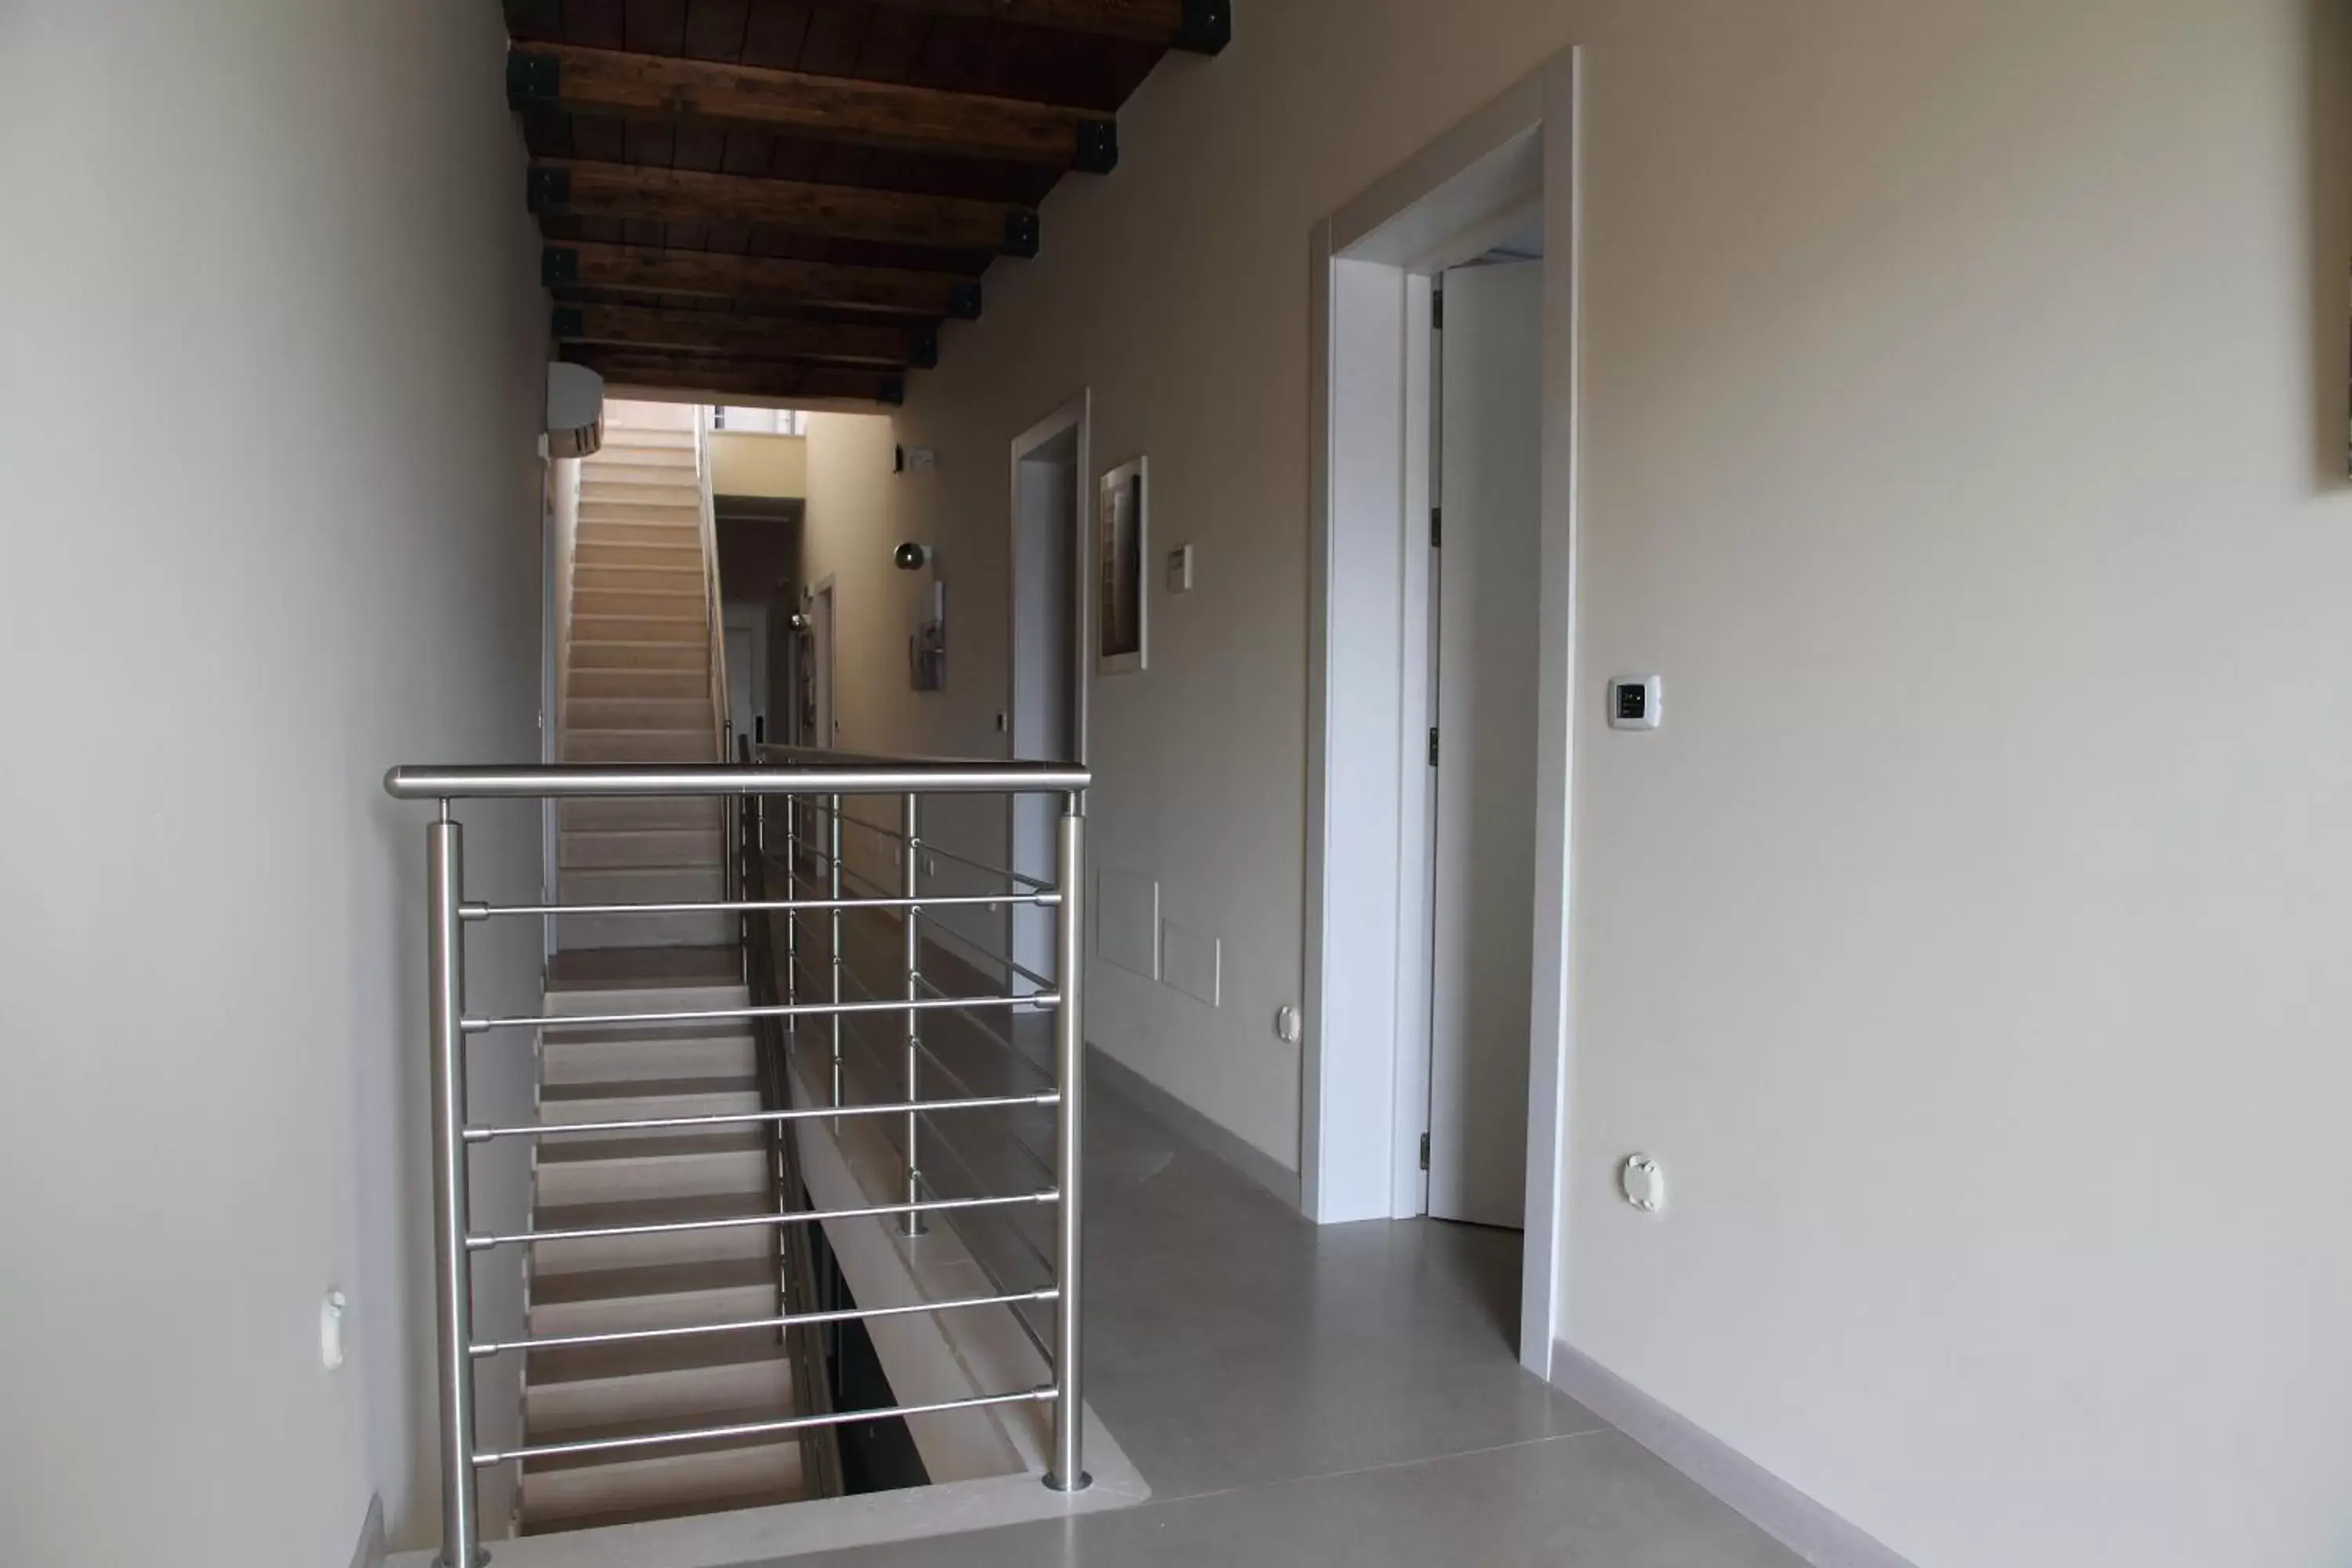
(780, 200)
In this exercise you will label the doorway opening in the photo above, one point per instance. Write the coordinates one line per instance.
(747, 670)
(1045, 702)
(1441, 689)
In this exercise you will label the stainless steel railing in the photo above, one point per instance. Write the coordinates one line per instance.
(803, 838)
(798, 781)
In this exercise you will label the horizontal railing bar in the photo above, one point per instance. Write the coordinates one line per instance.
(758, 1118)
(561, 780)
(1002, 1042)
(989, 956)
(777, 1010)
(788, 1321)
(756, 906)
(983, 866)
(892, 833)
(755, 1428)
(736, 1222)
(930, 847)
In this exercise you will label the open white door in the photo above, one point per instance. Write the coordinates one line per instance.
(818, 706)
(1046, 519)
(1487, 586)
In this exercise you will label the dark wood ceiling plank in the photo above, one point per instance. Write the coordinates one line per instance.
(703, 273)
(780, 379)
(836, 32)
(575, 188)
(547, 135)
(599, 137)
(715, 29)
(649, 144)
(768, 240)
(535, 18)
(602, 22)
(1203, 26)
(893, 40)
(651, 90)
(655, 25)
(702, 147)
(774, 32)
(963, 54)
(746, 337)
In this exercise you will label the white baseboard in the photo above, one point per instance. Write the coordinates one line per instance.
(1772, 1504)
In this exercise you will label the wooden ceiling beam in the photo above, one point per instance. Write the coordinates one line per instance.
(575, 188)
(745, 337)
(646, 270)
(718, 379)
(1200, 26)
(569, 79)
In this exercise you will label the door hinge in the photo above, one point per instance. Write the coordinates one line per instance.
(1437, 528)
(1424, 1151)
(1433, 745)
(1437, 309)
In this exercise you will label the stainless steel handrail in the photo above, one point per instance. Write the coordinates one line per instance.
(565, 781)
(758, 906)
(1037, 1002)
(800, 775)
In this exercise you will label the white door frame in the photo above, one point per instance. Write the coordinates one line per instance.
(1074, 413)
(1366, 1043)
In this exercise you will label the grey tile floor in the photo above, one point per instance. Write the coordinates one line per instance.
(1297, 1394)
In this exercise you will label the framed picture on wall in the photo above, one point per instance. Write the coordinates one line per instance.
(1121, 548)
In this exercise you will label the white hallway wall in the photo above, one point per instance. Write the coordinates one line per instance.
(269, 523)
(1964, 411)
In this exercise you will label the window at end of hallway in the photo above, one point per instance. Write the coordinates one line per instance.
(760, 421)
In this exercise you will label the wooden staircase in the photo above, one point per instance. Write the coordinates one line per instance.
(639, 687)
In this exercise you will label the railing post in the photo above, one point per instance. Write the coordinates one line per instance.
(792, 917)
(452, 1274)
(741, 838)
(833, 863)
(910, 829)
(1069, 1473)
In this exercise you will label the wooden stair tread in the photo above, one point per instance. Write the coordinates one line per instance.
(644, 1211)
(646, 1088)
(576, 1150)
(651, 1358)
(598, 1431)
(652, 1278)
(730, 1502)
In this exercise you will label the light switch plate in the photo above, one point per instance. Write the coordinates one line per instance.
(1179, 569)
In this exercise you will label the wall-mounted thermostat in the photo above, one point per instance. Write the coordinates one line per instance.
(1636, 702)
